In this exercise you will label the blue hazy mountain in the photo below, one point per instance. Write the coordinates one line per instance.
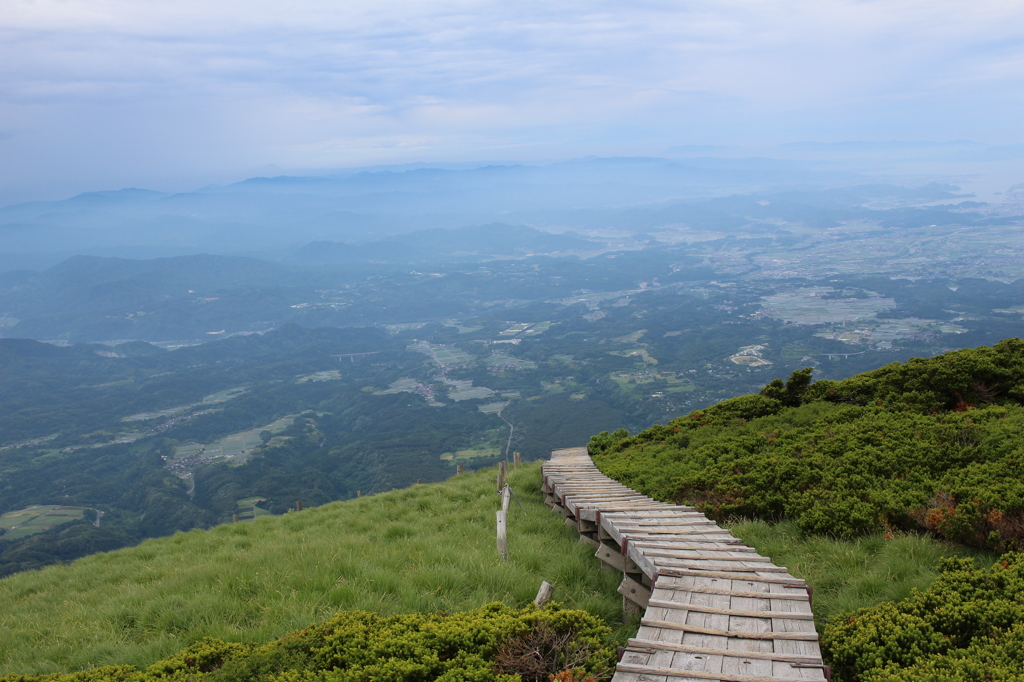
(266, 215)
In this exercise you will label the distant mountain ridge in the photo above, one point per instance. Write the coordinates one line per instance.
(266, 215)
(496, 239)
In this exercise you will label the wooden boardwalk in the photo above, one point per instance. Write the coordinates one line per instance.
(713, 609)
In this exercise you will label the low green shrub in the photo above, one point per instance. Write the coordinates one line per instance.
(359, 646)
(969, 625)
(929, 445)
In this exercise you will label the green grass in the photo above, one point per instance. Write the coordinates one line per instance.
(850, 574)
(425, 548)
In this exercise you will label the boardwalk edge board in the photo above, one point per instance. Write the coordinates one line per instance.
(711, 607)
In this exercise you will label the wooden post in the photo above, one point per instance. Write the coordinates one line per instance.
(544, 594)
(234, 518)
(419, 481)
(502, 537)
(458, 469)
(506, 495)
(502, 473)
(298, 505)
(517, 459)
(359, 493)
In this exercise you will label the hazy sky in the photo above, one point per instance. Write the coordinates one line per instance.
(100, 94)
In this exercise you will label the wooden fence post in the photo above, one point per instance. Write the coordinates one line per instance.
(234, 518)
(298, 505)
(502, 537)
(517, 459)
(506, 495)
(359, 493)
(544, 594)
(502, 473)
(458, 469)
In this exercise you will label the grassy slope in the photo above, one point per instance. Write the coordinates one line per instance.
(424, 548)
(851, 574)
(421, 549)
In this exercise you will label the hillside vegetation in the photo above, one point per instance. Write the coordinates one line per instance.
(843, 482)
(969, 625)
(494, 643)
(928, 445)
(422, 549)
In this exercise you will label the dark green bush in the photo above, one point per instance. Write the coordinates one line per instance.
(969, 625)
(358, 646)
(929, 445)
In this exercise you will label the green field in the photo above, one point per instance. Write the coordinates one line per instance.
(169, 412)
(668, 382)
(422, 549)
(806, 306)
(515, 329)
(25, 522)
(461, 328)
(681, 386)
(213, 398)
(632, 337)
(442, 355)
(640, 353)
(225, 395)
(465, 390)
(247, 509)
(538, 328)
(236, 445)
(472, 453)
(328, 375)
(502, 359)
(403, 385)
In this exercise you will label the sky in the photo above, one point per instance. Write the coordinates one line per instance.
(102, 94)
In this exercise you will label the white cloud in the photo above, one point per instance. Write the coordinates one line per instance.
(315, 82)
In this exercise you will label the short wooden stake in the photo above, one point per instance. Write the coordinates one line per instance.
(298, 505)
(458, 469)
(544, 594)
(506, 496)
(359, 493)
(502, 473)
(234, 518)
(502, 537)
(419, 481)
(517, 459)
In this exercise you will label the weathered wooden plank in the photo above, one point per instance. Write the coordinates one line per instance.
(643, 644)
(779, 579)
(615, 559)
(687, 544)
(741, 634)
(679, 518)
(700, 674)
(729, 612)
(634, 591)
(733, 593)
(671, 510)
(718, 565)
(591, 511)
(700, 555)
